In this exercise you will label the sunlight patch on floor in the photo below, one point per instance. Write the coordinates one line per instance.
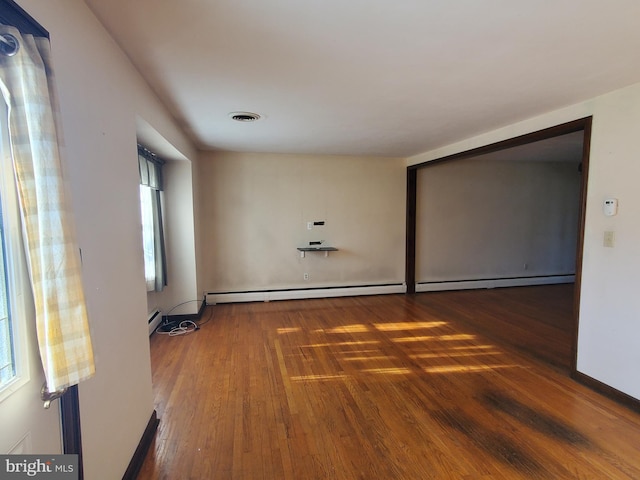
(367, 358)
(388, 371)
(466, 368)
(425, 338)
(357, 328)
(471, 347)
(342, 344)
(446, 354)
(396, 326)
(282, 331)
(304, 378)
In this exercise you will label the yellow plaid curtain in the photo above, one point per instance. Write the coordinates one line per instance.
(26, 81)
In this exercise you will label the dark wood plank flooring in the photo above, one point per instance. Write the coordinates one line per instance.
(538, 321)
(386, 387)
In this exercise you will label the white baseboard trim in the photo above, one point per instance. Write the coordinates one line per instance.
(155, 317)
(495, 283)
(267, 296)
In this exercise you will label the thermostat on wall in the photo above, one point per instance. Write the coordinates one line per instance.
(610, 206)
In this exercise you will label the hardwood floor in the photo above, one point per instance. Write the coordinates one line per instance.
(537, 321)
(386, 387)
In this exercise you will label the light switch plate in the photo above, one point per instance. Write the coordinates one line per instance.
(609, 239)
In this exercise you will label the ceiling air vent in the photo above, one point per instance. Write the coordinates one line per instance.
(244, 116)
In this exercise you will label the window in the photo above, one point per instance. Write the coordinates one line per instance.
(14, 288)
(7, 356)
(150, 167)
(46, 293)
(148, 244)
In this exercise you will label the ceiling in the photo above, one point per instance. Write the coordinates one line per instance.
(371, 77)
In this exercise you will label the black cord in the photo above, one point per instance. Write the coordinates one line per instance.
(185, 326)
(180, 304)
(209, 317)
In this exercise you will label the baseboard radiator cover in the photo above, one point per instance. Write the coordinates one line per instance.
(154, 319)
(494, 283)
(303, 293)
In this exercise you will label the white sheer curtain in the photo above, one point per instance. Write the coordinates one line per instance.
(27, 85)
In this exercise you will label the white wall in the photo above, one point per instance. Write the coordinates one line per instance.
(254, 209)
(101, 97)
(609, 301)
(495, 219)
(609, 341)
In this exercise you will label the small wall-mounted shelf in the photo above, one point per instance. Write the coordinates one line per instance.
(326, 250)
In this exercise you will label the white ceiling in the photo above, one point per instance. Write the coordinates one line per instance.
(371, 77)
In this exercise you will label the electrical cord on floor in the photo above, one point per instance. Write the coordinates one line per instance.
(185, 327)
(209, 317)
(179, 305)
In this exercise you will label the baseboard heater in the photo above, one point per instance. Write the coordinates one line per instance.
(154, 319)
(303, 293)
(494, 283)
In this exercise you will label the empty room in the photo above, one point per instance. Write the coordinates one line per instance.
(322, 240)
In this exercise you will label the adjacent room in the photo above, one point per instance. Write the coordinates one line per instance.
(334, 240)
(505, 219)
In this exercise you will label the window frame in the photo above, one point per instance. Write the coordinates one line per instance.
(19, 297)
(148, 236)
(150, 168)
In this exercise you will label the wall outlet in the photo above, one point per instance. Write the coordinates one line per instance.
(305, 276)
(309, 225)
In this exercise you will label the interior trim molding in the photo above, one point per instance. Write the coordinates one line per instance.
(586, 153)
(493, 283)
(411, 225)
(581, 124)
(143, 447)
(303, 293)
(70, 426)
(606, 390)
(544, 134)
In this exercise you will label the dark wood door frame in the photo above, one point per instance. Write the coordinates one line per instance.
(70, 424)
(582, 124)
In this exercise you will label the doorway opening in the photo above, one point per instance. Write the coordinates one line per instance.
(503, 215)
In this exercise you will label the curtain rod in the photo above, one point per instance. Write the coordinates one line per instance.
(149, 155)
(9, 45)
